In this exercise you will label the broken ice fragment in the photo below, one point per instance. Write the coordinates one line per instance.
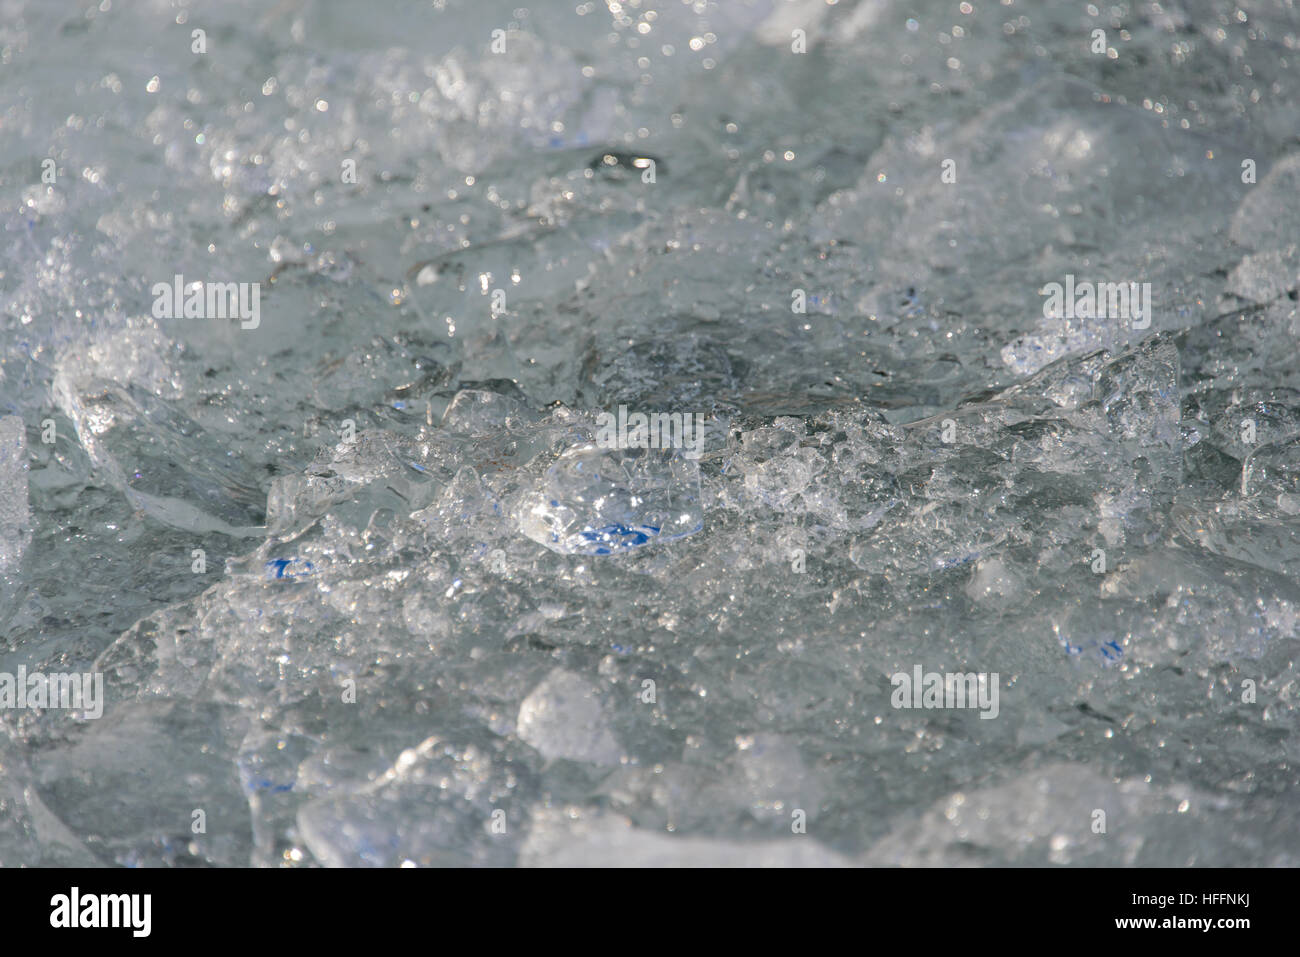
(596, 501)
(564, 717)
(157, 455)
(1138, 391)
(477, 411)
(15, 517)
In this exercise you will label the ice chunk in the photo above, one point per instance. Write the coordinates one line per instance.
(1267, 217)
(1275, 469)
(466, 510)
(441, 804)
(1265, 276)
(15, 517)
(475, 411)
(596, 501)
(161, 458)
(99, 784)
(563, 717)
(557, 839)
(1055, 815)
(1138, 392)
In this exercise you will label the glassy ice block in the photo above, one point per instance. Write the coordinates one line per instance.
(596, 501)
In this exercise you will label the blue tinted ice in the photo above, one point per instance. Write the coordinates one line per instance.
(595, 501)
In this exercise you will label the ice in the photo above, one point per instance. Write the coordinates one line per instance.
(435, 807)
(1274, 470)
(1072, 817)
(563, 718)
(596, 501)
(368, 586)
(15, 515)
(110, 774)
(1267, 217)
(1267, 276)
(475, 412)
(596, 840)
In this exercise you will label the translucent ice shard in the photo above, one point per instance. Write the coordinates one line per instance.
(1275, 469)
(1137, 393)
(475, 411)
(159, 457)
(563, 718)
(435, 807)
(596, 501)
(1266, 218)
(15, 519)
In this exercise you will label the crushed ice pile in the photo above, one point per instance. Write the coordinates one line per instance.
(363, 585)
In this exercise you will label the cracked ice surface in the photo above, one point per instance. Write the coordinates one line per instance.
(365, 587)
